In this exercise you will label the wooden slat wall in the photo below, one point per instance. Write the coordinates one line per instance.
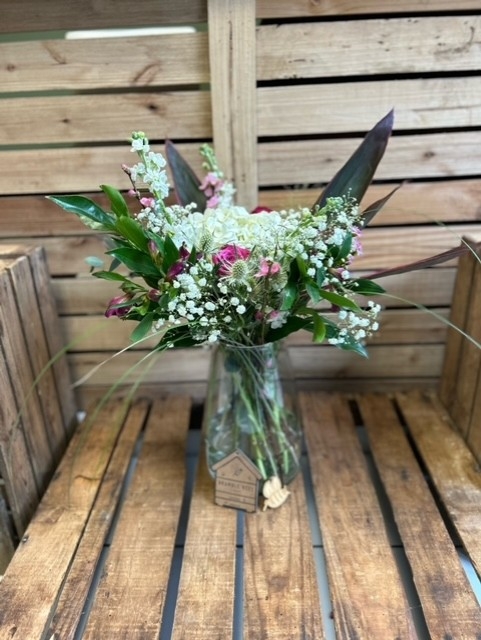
(308, 81)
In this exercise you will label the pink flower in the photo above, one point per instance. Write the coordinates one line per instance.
(147, 202)
(262, 209)
(268, 268)
(210, 184)
(228, 255)
(118, 306)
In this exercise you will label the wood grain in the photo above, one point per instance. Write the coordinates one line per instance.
(451, 465)
(388, 45)
(28, 15)
(208, 566)
(131, 593)
(449, 604)
(29, 588)
(27, 401)
(280, 588)
(367, 596)
(100, 63)
(232, 46)
(420, 104)
(306, 8)
(68, 119)
(73, 596)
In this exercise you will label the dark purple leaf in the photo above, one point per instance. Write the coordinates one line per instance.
(186, 183)
(356, 175)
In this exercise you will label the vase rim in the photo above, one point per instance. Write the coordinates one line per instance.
(239, 345)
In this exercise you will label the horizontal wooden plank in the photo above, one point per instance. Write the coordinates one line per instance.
(99, 63)
(415, 203)
(29, 15)
(382, 248)
(291, 110)
(368, 47)
(434, 155)
(423, 103)
(77, 170)
(97, 333)
(309, 362)
(65, 119)
(87, 295)
(307, 8)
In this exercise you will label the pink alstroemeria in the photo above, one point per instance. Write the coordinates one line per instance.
(147, 202)
(228, 255)
(268, 268)
(114, 309)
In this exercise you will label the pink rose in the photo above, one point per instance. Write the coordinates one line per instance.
(228, 255)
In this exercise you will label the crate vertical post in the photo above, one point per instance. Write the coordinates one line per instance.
(232, 55)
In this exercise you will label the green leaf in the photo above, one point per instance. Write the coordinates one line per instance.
(117, 202)
(289, 296)
(171, 253)
(319, 330)
(352, 345)
(320, 276)
(293, 324)
(338, 300)
(345, 248)
(143, 328)
(110, 275)
(179, 336)
(88, 211)
(136, 261)
(366, 287)
(132, 231)
(313, 291)
(355, 176)
(186, 183)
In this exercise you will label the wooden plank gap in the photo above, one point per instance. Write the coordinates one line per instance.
(448, 602)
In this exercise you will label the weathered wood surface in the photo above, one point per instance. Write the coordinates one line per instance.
(205, 601)
(112, 516)
(367, 598)
(449, 462)
(439, 577)
(30, 587)
(281, 598)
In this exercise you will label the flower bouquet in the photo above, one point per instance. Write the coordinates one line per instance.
(207, 271)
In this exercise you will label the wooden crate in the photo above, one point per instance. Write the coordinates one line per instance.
(36, 409)
(315, 77)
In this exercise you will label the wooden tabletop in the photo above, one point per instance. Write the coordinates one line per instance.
(372, 543)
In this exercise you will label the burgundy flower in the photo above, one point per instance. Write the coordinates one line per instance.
(118, 306)
(228, 255)
(262, 209)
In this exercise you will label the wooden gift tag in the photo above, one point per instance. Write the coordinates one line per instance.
(237, 482)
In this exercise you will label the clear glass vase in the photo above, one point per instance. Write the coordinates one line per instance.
(251, 406)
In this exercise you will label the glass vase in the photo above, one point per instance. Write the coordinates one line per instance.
(251, 406)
